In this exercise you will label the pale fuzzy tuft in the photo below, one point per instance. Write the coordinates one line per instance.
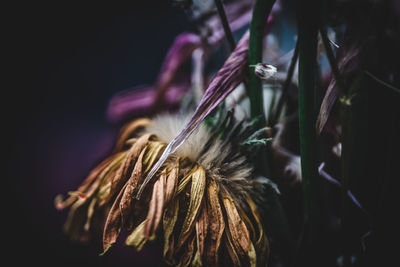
(167, 126)
(214, 160)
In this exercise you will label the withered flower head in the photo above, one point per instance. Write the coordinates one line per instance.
(201, 204)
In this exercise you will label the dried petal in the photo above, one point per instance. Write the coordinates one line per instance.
(130, 187)
(188, 254)
(172, 182)
(154, 151)
(156, 207)
(201, 233)
(122, 174)
(169, 220)
(237, 228)
(92, 178)
(196, 197)
(137, 238)
(113, 224)
(252, 256)
(128, 130)
(216, 225)
(231, 249)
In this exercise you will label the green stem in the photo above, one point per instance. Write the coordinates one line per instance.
(307, 41)
(261, 11)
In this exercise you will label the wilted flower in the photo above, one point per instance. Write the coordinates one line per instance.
(201, 204)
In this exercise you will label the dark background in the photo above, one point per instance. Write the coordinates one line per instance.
(66, 61)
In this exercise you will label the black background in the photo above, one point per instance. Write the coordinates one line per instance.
(66, 61)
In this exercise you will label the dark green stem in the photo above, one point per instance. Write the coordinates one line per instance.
(307, 41)
(225, 24)
(261, 11)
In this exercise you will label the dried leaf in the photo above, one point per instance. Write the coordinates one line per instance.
(196, 197)
(216, 225)
(156, 206)
(137, 238)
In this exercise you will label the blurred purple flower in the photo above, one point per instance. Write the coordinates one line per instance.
(168, 89)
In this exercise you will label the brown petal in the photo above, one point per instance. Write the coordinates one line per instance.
(60, 204)
(216, 225)
(231, 249)
(113, 224)
(172, 182)
(188, 254)
(196, 197)
(201, 233)
(130, 186)
(262, 243)
(156, 206)
(169, 219)
(128, 130)
(122, 174)
(237, 228)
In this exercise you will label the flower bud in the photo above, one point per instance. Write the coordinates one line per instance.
(264, 71)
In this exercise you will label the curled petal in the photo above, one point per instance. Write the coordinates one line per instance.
(196, 197)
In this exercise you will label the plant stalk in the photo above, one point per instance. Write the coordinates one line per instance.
(225, 24)
(308, 25)
(261, 11)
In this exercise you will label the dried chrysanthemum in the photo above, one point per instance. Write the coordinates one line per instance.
(201, 204)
